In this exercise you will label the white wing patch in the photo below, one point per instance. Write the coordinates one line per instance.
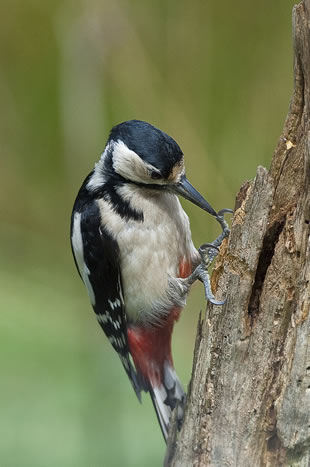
(102, 318)
(105, 317)
(77, 245)
(115, 304)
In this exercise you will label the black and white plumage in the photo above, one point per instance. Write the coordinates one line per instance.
(132, 246)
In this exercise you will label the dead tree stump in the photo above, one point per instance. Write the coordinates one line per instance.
(249, 397)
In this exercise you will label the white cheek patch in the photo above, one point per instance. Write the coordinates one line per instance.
(129, 165)
(78, 249)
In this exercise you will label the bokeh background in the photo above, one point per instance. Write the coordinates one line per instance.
(215, 75)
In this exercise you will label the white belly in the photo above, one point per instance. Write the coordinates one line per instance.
(150, 251)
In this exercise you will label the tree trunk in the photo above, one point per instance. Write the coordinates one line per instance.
(249, 397)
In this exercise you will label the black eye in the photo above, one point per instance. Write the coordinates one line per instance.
(155, 175)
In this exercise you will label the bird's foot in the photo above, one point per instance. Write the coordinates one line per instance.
(208, 253)
(203, 276)
(225, 229)
(201, 273)
(212, 249)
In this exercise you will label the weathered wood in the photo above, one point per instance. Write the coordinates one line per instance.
(249, 397)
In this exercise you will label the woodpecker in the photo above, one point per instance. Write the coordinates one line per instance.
(132, 246)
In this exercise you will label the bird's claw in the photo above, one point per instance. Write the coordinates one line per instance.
(218, 302)
(203, 276)
(208, 256)
(223, 211)
(225, 229)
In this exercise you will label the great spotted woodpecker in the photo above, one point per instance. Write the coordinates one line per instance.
(132, 246)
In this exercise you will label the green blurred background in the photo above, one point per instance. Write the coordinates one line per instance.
(215, 75)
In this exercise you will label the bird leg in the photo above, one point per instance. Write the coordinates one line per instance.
(208, 253)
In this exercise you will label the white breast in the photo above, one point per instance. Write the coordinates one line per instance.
(150, 251)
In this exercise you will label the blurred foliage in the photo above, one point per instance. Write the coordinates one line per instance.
(217, 76)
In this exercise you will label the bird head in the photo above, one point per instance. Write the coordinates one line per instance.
(137, 152)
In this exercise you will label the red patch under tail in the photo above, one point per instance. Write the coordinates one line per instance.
(150, 348)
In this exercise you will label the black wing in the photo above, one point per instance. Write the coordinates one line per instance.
(96, 256)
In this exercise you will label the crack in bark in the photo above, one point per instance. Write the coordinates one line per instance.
(264, 261)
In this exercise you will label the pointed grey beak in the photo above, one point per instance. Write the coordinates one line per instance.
(185, 189)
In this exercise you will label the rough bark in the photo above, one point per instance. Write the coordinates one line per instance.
(249, 397)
